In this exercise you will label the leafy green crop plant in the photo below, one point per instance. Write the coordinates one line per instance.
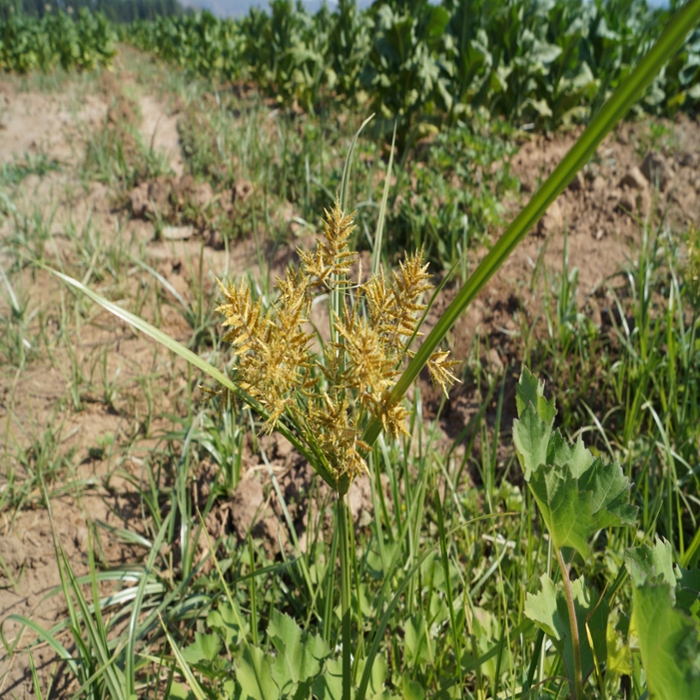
(85, 42)
(577, 496)
(666, 599)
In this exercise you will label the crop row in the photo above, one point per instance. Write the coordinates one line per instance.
(28, 43)
(544, 61)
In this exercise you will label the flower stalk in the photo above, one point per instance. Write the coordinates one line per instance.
(343, 524)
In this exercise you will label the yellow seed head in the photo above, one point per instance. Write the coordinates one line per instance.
(329, 397)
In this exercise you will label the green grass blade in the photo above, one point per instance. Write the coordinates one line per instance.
(35, 679)
(448, 587)
(611, 112)
(379, 235)
(96, 633)
(184, 667)
(130, 652)
(47, 637)
(166, 285)
(347, 168)
(153, 332)
(335, 295)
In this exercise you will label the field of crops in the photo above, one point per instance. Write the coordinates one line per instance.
(55, 41)
(551, 62)
(301, 402)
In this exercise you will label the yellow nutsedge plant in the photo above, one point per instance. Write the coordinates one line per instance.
(328, 397)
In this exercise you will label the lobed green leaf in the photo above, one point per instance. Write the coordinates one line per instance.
(299, 657)
(577, 494)
(254, 674)
(668, 642)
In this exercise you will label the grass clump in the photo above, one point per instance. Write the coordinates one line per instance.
(116, 153)
(14, 172)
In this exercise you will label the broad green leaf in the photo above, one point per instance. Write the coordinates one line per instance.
(378, 676)
(299, 656)
(530, 390)
(688, 592)
(206, 647)
(329, 685)
(668, 642)
(232, 690)
(225, 621)
(548, 609)
(609, 488)
(531, 437)
(533, 428)
(651, 564)
(303, 690)
(578, 458)
(619, 653)
(575, 509)
(411, 690)
(576, 494)
(654, 565)
(254, 673)
(417, 647)
(179, 692)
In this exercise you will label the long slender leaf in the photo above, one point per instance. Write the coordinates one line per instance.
(379, 235)
(48, 637)
(347, 169)
(184, 667)
(129, 670)
(199, 362)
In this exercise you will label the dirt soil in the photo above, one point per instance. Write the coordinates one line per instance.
(631, 178)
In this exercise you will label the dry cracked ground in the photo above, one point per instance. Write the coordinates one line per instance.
(85, 401)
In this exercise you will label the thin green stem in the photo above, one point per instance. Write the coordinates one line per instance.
(345, 593)
(609, 115)
(456, 632)
(577, 685)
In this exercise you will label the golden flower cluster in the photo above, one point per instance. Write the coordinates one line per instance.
(329, 397)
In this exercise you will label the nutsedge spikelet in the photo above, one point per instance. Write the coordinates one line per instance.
(440, 369)
(332, 259)
(329, 397)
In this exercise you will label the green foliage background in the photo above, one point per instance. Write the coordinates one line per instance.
(550, 62)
